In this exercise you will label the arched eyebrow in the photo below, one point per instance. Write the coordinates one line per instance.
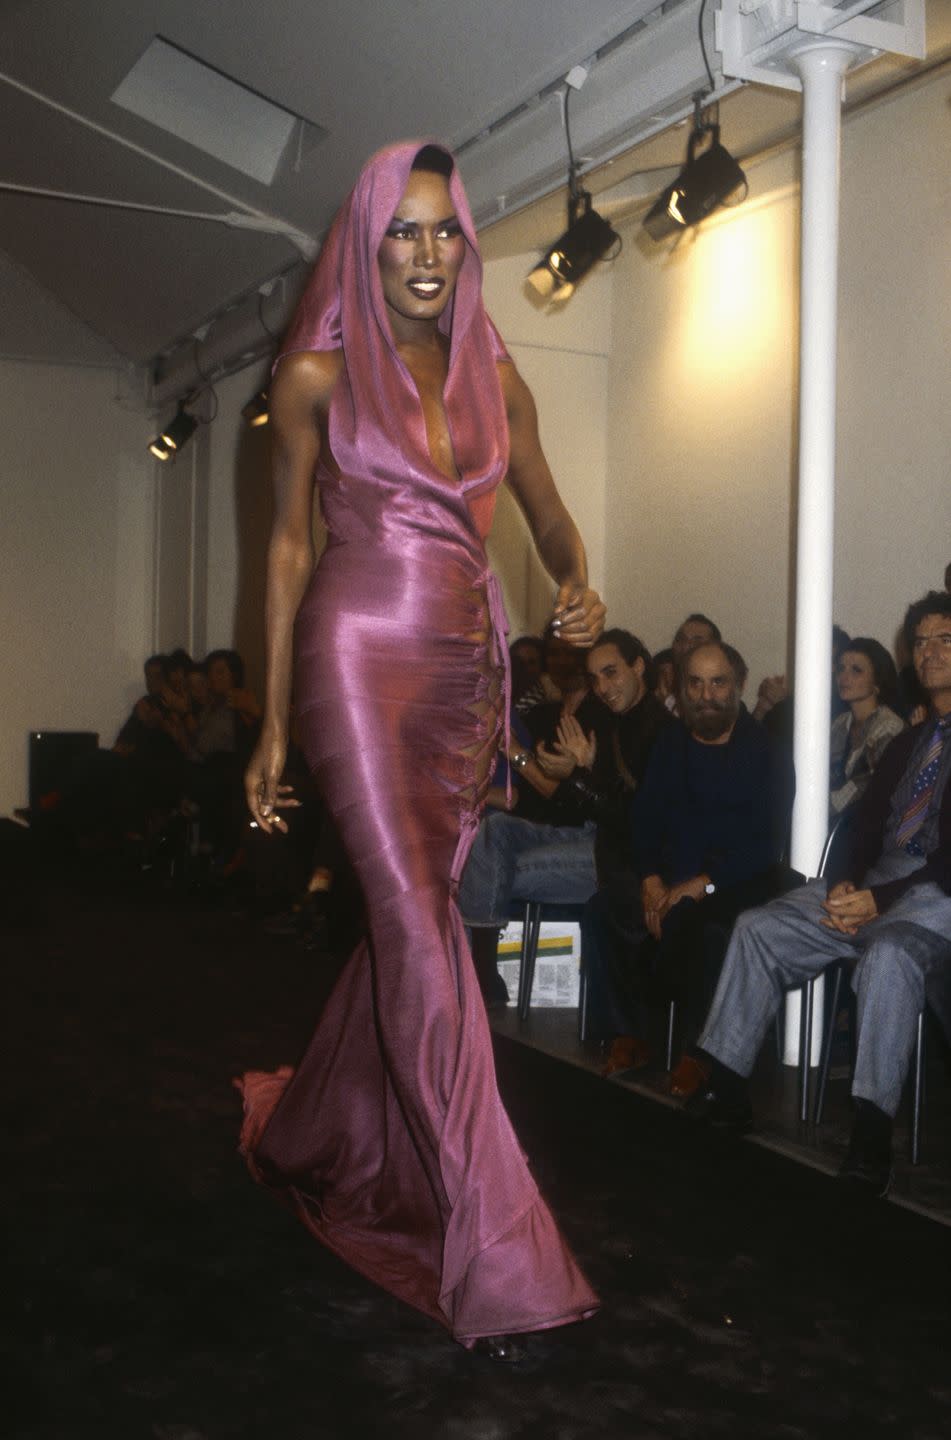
(447, 220)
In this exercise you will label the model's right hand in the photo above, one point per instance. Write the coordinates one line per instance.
(262, 782)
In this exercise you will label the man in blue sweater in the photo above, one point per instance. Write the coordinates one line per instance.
(708, 828)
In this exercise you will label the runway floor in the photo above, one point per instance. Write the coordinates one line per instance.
(154, 1293)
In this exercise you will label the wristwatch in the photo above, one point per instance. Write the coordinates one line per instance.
(521, 759)
(709, 888)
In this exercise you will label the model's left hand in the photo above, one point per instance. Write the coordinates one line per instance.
(847, 908)
(578, 617)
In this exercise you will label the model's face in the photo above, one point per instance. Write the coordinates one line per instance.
(932, 655)
(855, 677)
(421, 253)
(617, 684)
(711, 696)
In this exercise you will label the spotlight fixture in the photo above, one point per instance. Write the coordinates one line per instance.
(587, 239)
(256, 410)
(174, 436)
(706, 181)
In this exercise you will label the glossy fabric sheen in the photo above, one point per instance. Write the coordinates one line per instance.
(390, 1140)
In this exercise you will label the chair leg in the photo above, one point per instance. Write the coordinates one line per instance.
(826, 1055)
(671, 1029)
(918, 1091)
(531, 928)
(805, 1047)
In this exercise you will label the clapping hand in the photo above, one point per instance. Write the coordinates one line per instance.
(572, 741)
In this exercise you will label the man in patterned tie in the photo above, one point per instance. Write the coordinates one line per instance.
(885, 906)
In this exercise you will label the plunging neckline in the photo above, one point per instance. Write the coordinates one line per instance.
(457, 478)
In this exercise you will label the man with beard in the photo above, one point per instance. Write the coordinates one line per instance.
(709, 825)
(884, 907)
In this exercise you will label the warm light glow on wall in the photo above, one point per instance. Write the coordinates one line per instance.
(739, 285)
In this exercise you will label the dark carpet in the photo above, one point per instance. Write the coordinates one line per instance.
(153, 1291)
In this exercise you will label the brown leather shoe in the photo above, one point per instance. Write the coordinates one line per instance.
(688, 1076)
(627, 1053)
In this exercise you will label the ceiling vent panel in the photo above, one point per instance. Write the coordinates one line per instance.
(207, 109)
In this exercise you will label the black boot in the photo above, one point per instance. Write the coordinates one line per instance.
(868, 1162)
(724, 1102)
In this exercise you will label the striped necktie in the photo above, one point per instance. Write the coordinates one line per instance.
(917, 809)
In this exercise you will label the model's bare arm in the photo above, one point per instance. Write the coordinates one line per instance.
(300, 397)
(579, 612)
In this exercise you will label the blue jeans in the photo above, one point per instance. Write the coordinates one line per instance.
(781, 945)
(514, 859)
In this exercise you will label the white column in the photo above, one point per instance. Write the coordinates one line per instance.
(821, 66)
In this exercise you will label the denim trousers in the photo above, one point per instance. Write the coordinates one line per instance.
(895, 957)
(514, 859)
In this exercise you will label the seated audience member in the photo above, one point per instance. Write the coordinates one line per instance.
(580, 839)
(885, 908)
(153, 742)
(692, 631)
(708, 825)
(526, 851)
(867, 683)
(562, 683)
(775, 704)
(149, 712)
(221, 743)
(598, 773)
(230, 713)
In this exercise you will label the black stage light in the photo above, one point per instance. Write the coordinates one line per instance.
(174, 435)
(706, 181)
(587, 239)
(256, 410)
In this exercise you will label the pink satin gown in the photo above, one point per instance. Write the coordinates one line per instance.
(390, 1140)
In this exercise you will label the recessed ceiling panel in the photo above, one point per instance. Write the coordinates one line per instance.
(208, 110)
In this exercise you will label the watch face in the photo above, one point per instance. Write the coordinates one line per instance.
(710, 889)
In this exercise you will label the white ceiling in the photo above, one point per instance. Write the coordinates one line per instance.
(87, 283)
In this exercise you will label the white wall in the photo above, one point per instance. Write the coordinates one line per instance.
(563, 356)
(703, 398)
(666, 392)
(76, 524)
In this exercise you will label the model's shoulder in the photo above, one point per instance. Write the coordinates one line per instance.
(308, 376)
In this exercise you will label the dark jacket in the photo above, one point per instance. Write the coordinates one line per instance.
(605, 792)
(865, 836)
(722, 810)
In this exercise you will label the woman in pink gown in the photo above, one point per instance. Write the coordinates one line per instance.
(393, 391)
